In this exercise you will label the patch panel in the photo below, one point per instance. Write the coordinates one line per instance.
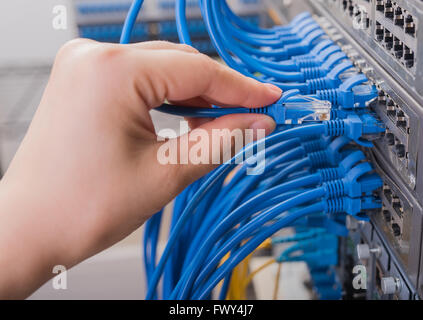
(395, 45)
(399, 144)
(370, 248)
(388, 53)
(392, 35)
(395, 221)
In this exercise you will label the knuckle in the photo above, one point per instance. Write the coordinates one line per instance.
(188, 48)
(71, 47)
(83, 51)
(106, 55)
(208, 64)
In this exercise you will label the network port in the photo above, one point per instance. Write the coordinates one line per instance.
(380, 5)
(389, 39)
(399, 17)
(392, 212)
(345, 4)
(399, 150)
(387, 193)
(408, 57)
(396, 204)
(380, 32)
(410, 26)
(389, 10)
(387, 215)
(398, 48)
(382, 97)
(402, 120)
(390, 139)
(396, 229)
(391, 109)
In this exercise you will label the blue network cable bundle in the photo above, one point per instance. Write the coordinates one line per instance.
(320, 180)
(102, 20)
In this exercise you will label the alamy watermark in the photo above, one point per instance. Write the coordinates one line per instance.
(60, 17)
(360, 277)
(217, 147)
(361, 18)
(60, 281)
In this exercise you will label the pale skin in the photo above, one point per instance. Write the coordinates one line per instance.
(86, 175)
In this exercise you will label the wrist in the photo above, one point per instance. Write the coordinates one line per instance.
(28, 254)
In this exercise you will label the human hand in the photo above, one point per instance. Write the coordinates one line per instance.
(86, 174)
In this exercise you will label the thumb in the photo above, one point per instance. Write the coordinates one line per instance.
(211, 145)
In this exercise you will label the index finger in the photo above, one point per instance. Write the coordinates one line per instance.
(178, 76)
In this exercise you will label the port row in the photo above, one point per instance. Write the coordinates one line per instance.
(398, 15)
(395, 46)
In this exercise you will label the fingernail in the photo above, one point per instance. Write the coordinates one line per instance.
(264, 123)
(274, 88)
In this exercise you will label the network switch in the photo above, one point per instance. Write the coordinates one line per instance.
(383, 40)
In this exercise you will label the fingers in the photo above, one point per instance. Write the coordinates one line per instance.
(209, 145)
(178, 76)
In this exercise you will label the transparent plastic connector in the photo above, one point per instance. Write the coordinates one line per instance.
(362, 94)
(307, 109)
(348, 74)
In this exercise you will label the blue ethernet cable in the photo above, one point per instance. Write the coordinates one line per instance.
(317, 259)
(256, 202)
(130, 21)
(222, 204)
(252, 28)
(311, 144)
(294, 150)
(322, 83)
(296, 109)
(281, 55)
(353, 127)
(181, 22)
(299, 22)
(311, 86)
(251, 245)
(151, 235)
(275, 41)
(290, 50)
(173, 267)
(330, 81)
(210, 9)
(295, 113)
(332, 174)
(330, 56)
(361, 120)
(191, 272)
(350, 185)
(298, 236)
(315, 243)
(223, 42)
(328, 157)
(270, 39)
(276, 202)
(231, 202)
(268, 68)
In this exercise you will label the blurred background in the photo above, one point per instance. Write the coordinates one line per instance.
(31, 33)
